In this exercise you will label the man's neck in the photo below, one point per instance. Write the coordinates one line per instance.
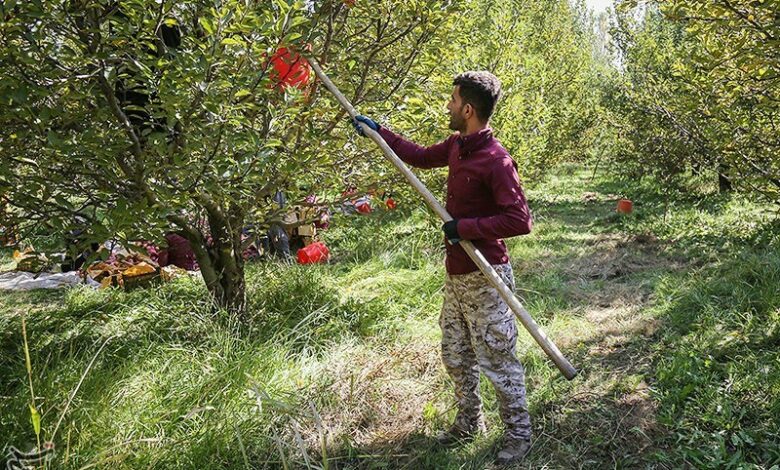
(474, 127)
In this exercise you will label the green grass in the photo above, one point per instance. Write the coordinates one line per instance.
(672, 315)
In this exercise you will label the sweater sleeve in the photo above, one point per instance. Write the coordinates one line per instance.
(436, 155)
(514, 217)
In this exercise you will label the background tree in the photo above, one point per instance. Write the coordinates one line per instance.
(699, 89)
(662, 135)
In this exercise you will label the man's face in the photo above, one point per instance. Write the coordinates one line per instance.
(455, 108)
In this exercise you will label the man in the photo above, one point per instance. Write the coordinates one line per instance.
(485, 199)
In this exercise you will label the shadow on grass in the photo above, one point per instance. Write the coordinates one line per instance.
(65, 331)
(297, 312)
(718, 384)
(608, 416)
(417, 451)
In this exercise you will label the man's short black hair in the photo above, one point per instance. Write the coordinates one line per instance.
(481, 90)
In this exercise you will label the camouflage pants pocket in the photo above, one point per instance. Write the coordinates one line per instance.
(501, 333)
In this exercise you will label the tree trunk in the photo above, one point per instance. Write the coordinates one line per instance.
(219, 253)
(724, 182)
(222, 267)
(228, 290)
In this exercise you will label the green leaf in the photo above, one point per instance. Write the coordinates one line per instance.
(232, 42)
(53, 138)
(207, 25)
(35, 418)
(282, 5)
(63, 201)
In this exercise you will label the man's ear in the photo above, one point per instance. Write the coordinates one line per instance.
(467, 108)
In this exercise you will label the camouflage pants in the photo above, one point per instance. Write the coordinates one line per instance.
(479, 332)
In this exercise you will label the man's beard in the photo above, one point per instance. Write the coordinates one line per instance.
(457, 123)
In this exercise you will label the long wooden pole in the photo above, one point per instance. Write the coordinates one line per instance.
(522, 314)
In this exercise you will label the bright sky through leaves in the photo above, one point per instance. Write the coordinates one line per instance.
(598, 5)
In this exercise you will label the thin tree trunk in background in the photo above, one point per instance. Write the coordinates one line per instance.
(724, 182)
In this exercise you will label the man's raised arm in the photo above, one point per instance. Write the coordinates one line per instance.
(436, 155)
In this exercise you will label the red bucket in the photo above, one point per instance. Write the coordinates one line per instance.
(625, 206)
(315, 253)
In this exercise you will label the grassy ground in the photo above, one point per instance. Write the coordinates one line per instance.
(672, 314)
